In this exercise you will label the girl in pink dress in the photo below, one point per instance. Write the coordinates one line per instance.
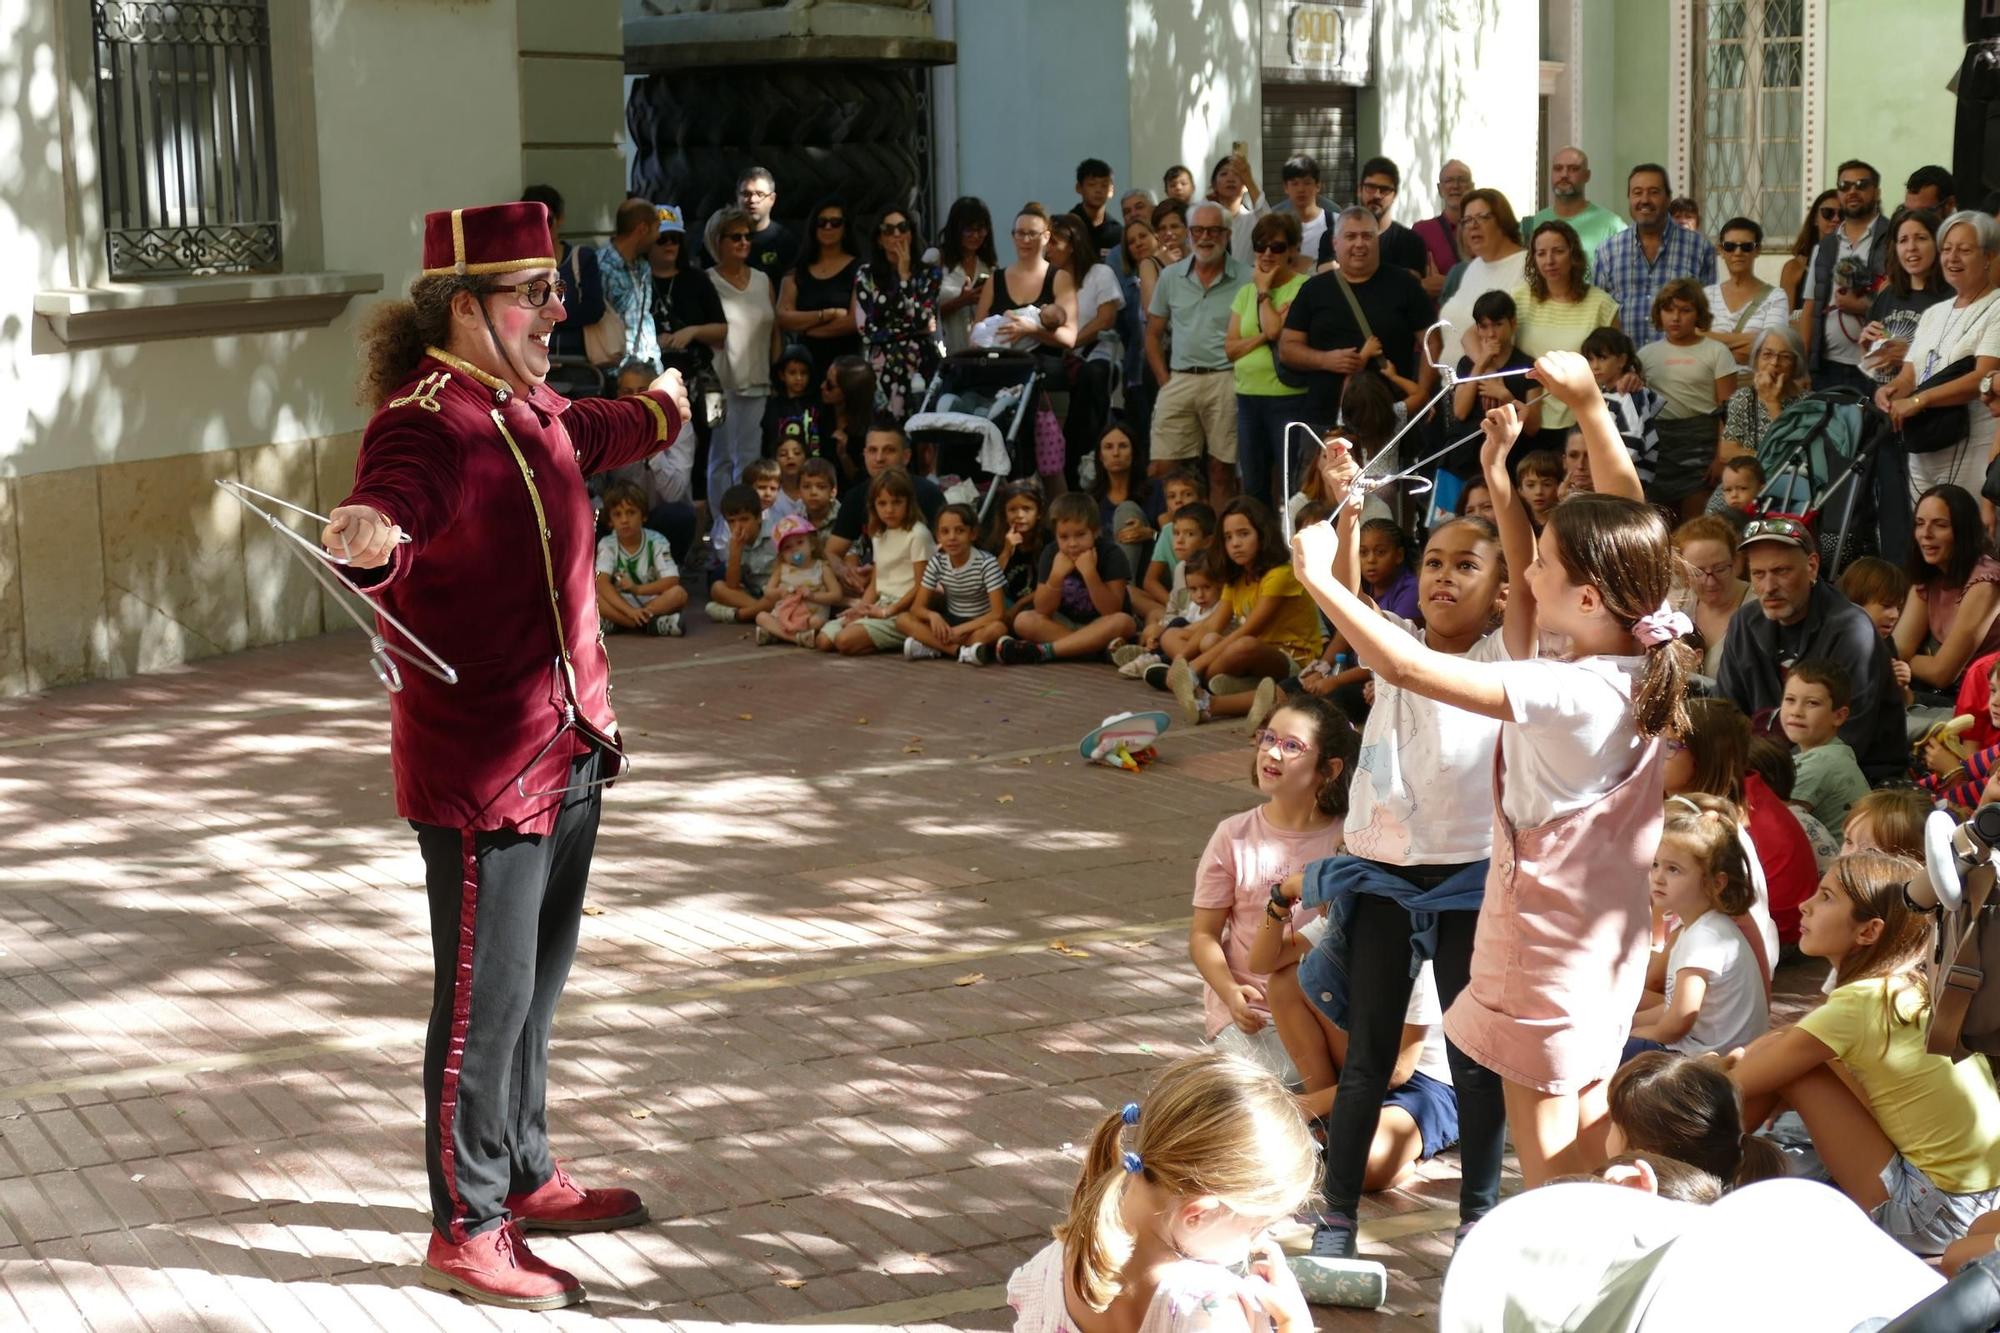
(1176, 1191)
(1559, 954)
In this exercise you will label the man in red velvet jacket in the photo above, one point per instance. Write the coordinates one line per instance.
(470, 523)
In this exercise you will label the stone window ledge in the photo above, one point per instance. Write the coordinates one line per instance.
(198, 307)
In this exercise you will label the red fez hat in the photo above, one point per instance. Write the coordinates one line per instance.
(498, 238)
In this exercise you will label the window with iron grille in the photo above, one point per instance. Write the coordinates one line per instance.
(1749, 104)
(186, 136)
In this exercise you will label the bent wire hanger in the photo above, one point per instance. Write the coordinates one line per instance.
(325, 567)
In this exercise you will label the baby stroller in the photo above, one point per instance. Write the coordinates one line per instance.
(1818, 460)
(979, 416)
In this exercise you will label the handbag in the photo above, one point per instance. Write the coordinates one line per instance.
(604, 341)
(1935, 429)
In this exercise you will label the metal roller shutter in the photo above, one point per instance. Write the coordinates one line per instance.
(1315, 120)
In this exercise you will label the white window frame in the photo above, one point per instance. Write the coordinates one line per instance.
(1685, 61)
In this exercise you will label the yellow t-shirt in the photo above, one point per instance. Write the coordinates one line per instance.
(1296, 631)
(1943, 1117)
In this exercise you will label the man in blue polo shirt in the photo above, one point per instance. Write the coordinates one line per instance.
(1195, 413)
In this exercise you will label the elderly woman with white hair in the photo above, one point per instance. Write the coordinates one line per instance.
(1933, 400)
(1777, 377)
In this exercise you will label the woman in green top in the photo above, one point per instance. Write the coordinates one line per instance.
(1265, 405)
(1555, 306)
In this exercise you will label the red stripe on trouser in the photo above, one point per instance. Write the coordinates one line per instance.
(461, 1019)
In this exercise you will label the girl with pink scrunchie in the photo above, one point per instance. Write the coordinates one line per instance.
(1563, 937)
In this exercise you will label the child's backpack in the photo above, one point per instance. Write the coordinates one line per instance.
(1965, 973)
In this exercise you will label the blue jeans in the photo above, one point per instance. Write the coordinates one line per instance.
(1260, 436)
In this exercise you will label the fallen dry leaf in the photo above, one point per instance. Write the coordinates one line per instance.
(1006, 800)
(743, 717)
(640, 1113)
(1067, 950)
(592, 909)
(913, 749)
(969, 979)
(860, 721)
(792, 1282)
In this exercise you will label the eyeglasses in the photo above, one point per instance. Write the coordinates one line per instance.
(1711, 573)
(1290, 747)
(896, 228)
(735, 236)
(1737, 247)
(1274, 248)
(1029, 234)
(536, 291)
(755, 196)
(1858, 183)
(1829, 214)
(1475, 219)
(829, 224)
(1208, 231)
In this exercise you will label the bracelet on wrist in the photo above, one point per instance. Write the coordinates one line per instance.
(1271, 913)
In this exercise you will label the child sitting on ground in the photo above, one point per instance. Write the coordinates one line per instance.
(1300, 765)
(1201, 589)
(746, 568)
(761, 476)
(1538, 481)
(1770, 758)
(1742, 483)
(903, 546)
(790, 459)
(1711, 996)
(1812, 712)
(1079, 605)
(1190, 534)
(638, 584)
(819, 500)
(961, 600)
(1016, 531)
(1890, 820)
(1685, 1109)
(1175, 1193)
(1911, 1137)
(804, 588)
(1265, 629)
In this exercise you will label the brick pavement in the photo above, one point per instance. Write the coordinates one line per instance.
(816, 1017)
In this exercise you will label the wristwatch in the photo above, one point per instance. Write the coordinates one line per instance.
(1278, 898)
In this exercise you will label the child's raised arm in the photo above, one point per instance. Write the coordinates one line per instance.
(1394, 655)
(1502, 426)
(1567, 378)
(1337, 471)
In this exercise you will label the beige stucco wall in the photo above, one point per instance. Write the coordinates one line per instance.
(117, 554)
(1194, 83)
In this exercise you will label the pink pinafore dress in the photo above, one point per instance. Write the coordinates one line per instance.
(1559, 957)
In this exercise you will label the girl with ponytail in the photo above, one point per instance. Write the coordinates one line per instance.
(1176, 1190)
(1560, 951)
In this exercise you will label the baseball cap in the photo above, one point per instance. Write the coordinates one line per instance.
(792, 525)
(1786, 528)
(671, 220)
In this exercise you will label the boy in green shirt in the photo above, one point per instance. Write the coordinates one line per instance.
(1814, 707)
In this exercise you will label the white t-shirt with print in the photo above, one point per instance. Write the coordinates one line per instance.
(1733, 1009)
(897, 553)
(1422, 792)
(1574, 740)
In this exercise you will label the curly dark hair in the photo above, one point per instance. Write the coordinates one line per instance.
(394, 334)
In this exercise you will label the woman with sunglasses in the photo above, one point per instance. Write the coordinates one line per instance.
(1743, 304)
(1821, 218)
(1265, 404)
(743, 363)
(896, 302)
(816, 300)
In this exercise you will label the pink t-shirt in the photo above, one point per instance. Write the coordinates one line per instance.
(1245, 856)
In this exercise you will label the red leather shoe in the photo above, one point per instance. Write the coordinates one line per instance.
(497, 1268)
(563, 1205)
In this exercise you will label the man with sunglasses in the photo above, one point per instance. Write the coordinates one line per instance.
(1796, 617)
(1846, 270)
(470, 522)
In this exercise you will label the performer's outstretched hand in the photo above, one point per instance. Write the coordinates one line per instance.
(361, 534)
(671, 384)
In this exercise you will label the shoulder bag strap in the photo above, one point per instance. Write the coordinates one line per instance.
(1354, 304)
(1963, 975)
(1750, 306)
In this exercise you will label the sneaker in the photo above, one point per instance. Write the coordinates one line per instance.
(970, 655)
(1017, 652)
(918, 652)
(669, 625)
(1156, 675)
(1333, 1237)
(808, 639)
(720, 614)
(1261, 707)
(982, 654)
(497, 1268)
(1135, 668)
(563, 1205)
(1115, 647)
(1232, 684)
(1123, 652)
(765, 637)
(1458, 1233)
(1187, 690)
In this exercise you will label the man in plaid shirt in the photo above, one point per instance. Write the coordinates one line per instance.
(1636, 263)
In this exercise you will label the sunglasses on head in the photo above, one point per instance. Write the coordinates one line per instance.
(1737, 247)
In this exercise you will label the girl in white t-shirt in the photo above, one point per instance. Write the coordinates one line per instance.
(1712, 995)
(1559, 957)
(903, 546)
